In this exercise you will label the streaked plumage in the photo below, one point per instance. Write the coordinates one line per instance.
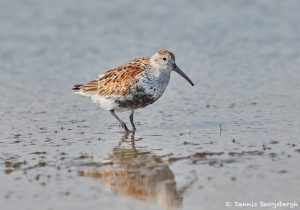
(134, 85)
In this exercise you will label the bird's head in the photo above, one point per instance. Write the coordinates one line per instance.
(165, 60)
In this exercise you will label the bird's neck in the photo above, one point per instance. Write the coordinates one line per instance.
(159, 74)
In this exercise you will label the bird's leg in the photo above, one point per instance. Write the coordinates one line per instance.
(131, 121)
(120, 121)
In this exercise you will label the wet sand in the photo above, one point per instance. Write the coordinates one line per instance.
(232, 137)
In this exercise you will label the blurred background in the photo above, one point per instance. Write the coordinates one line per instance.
(234, 137)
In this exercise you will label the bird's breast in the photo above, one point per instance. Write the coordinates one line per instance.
(147, 89)
(151, 84)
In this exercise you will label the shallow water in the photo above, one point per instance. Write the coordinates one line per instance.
(232, 137)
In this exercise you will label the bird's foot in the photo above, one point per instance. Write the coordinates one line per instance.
(132, 132)
(123, 125)
(128, 132)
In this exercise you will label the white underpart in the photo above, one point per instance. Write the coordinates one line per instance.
(109, 102)
(105, 102)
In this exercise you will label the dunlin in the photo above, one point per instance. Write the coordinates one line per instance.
(134, 85)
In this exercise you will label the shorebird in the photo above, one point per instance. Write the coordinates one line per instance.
(133, 85)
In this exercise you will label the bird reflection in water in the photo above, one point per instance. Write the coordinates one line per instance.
(137, 173)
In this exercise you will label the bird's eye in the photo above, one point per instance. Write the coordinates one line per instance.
(164, 58)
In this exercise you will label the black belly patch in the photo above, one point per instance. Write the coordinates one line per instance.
(137, 101)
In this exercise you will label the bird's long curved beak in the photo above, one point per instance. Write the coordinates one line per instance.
(181, 73)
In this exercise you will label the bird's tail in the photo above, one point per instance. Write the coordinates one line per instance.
(87, 89)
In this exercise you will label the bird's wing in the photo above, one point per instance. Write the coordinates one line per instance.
(117, 81)
(114, 82)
